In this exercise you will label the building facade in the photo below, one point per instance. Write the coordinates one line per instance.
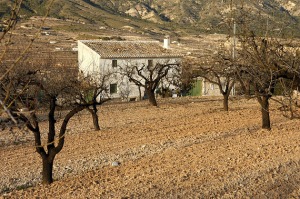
(98, 57)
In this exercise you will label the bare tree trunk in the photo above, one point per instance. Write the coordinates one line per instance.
(140, 93)
(225, 102)
(95, 121)
(47, 169)
(151, 96)
(245, 86)
(48, 159)
(264, 103)
(95, 118)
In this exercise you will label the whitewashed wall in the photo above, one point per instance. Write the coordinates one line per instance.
(88, 59)
(210, 89)
(123, 82)
(90, 63)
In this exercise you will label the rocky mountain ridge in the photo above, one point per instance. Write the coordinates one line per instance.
(204, 14)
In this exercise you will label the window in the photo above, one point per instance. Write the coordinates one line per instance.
(113, 88)
(114, 63)
(150, 63)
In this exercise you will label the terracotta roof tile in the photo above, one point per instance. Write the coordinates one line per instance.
(130, 49)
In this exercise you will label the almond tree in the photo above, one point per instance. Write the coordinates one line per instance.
(40, 90)
(150, 75)
(219, 70)
(290, 104)
(265, 59)
(94, 90)
(186, 77)
(7, 40)
(11, 21)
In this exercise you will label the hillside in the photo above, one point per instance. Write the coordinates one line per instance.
(196, 14)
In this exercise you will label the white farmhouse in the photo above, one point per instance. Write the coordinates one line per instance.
(98, 57)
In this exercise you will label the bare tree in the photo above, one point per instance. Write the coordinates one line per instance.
(6, 42)
(11, 22)
(290, 104)
(265, 59)
(125, 90)
(217, 69)
(38, 92)
(94, 90)
(150, 75)
(8, 24)
(186, 77)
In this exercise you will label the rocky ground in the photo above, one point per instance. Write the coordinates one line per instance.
(186, 148)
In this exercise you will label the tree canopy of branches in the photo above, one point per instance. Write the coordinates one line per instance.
(94, 91)
(29, 89)
(37, 90)
(266, 58)
(7, 41)
(150, 75)
(217, 69)
(187, 77)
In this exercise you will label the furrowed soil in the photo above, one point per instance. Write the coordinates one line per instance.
(186, 148)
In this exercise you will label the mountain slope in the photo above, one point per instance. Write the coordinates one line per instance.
(198, 14)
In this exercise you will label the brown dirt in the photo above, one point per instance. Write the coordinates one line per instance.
(186, 148)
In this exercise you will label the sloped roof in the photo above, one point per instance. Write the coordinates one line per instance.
(130, 49)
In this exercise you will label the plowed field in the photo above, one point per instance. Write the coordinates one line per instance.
(186, 148)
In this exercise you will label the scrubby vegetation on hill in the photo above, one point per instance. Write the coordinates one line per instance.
(201, 15)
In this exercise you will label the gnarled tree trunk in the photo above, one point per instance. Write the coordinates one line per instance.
(49, 154)
(47, 169)
(264, 103)
(140, 93)
(225, 102)
(226, 92)
(151, 96)
(95, 118)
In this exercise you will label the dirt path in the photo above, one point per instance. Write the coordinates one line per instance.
(187, 148)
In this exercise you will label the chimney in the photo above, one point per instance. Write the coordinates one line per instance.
(167, 42)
